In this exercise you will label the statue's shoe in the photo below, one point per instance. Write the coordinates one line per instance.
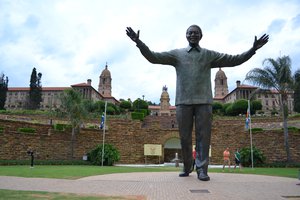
(184, 174)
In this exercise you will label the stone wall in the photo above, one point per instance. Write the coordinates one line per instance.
(129, 138)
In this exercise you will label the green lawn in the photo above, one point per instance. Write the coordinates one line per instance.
(73, 171)
(33, 195)
(282, 172)
(78, 171)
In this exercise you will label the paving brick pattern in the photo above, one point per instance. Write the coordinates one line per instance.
(166, 185)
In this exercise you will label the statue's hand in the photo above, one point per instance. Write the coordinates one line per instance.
(258, 43)
(134, 36)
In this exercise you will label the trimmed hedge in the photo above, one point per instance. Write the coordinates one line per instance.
(137, 116)
(27, 130)
(256, 130)
(62, 127)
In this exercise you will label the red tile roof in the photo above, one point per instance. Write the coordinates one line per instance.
(13, 89)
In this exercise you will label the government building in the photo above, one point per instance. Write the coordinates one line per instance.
(17, 97)
(270, 99)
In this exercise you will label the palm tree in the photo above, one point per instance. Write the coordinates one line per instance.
(73, 106)
(276, 75)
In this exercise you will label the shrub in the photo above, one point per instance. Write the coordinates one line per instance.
(59, 127)
(225, 106)
(137, 115)
(125, 105)
(258, 156)
(239, 107)
(27, 130)
(290, 128)
(256, 105)
(1, 129)
(111, 155)
(229, 110)
(256, 129)
(274, 112)
(217, 107)
(62, 127)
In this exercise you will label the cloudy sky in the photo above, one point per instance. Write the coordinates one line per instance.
(70, 41)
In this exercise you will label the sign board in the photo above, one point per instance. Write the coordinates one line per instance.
(152, 149)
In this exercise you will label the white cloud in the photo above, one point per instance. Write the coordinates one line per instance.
(69, 41)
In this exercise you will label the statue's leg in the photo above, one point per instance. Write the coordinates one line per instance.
(203, 123)
(184, 115)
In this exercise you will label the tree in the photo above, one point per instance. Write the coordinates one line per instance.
(3, 90)
(297, 91)
(140, 104)
(217, 107)
(35, 93)
(276, 75)
(255, 105)
(73, 107)
(240, 106)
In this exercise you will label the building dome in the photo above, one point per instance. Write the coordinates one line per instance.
(104, 87)
(220, 74)
(221, 87)
(105, 72)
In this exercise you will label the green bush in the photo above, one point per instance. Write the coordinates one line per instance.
(239, 107)
(274, 112)
(27, 130)
(258, 156)
(1, 129)
(62, 127)
(229, 110)
(59, 127)
(294, 129)
(137, 115)
(125, 105)
(225, 106)
(217, 108)
(256, 129)
(111, 155)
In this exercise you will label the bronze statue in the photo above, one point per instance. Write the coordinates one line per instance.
(193, 90)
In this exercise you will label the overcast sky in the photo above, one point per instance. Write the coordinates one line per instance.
(70, 41)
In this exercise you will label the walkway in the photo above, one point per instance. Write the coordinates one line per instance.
(166, 185)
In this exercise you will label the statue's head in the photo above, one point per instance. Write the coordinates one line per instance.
(194, 35)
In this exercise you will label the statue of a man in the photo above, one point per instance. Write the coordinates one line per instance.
(193, 90)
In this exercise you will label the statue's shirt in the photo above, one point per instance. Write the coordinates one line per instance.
(193, 69)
